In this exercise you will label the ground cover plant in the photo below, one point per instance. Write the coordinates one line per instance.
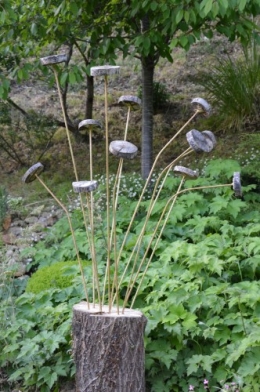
(200, 295)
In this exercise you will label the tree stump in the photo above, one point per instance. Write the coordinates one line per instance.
(108, 349)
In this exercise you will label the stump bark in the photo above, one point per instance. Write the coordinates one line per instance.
(108, 349)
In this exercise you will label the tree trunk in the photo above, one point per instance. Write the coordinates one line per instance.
(108, 349)
(147, 115)
(90, 97)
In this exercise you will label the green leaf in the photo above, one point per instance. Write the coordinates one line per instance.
(241, 5)
(52, 378)
(179, 16)
(153, 5)
(207, 6)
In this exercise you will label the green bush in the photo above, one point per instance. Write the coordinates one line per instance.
(200, 295)
(233, 86)
(35, 339)
(56, 276)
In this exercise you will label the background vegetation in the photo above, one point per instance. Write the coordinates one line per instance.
(201, 294)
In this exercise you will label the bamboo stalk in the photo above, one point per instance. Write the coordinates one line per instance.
(149, 178)
(72, 233)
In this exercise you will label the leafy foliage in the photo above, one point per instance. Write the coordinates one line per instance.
(58, 275)
(35, 338)
(200, 295)
(234, 89)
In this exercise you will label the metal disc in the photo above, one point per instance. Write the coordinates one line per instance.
(84, 186)
(89, 124)
(123, 149)
(31, 173)
(54, 59)
(184, 171)
(130, 100)
(202, 105)
(199, 142)
(104, 70)
(237, 184)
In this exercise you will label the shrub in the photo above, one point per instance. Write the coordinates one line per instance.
(58, 275)
(234, 89)
(35, 339)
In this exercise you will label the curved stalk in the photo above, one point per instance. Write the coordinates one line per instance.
(72, 234)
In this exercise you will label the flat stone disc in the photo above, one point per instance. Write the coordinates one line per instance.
(89, 124)
(210, 135)
(237, 184)
(199, 142)
(123, 149)
(184, 171)
(31, 173)
(130, 100)
(54, 59)
(104, 70)
(202, 105)
(84, 186)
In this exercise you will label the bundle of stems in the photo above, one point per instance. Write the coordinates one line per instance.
(109, 286)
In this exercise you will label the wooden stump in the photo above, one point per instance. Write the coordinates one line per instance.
(108, 349)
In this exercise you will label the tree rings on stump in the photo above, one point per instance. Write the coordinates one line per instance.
(210, 135)
(199, 142)
(31, 173)
(84, 186)
(88, 125)
(201, 105)
(130, 101)
(54, 59)
(108, 349)
(237, 184)
(123, 149)
(185, 172)
(104, 70)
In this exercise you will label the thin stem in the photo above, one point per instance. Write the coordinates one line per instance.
(71, 151)
(136, 248)
(127, 122)
(94, 261)
(90, 207)
(72, 234)
(149, 178)
(107, 274)
(65, 121)
(172, 200)
(174, 197)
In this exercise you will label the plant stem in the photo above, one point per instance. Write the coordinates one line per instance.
(72, 234)
(107, 274)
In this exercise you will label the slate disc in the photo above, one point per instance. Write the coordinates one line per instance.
(123, 149)
(31, 173)
(54, 59)
(89, 124)
(202, 105)
(104, 70)
(210, 135)
(130, 100)
(237, 184)
(184, 171)
(199, 142)
(84, 186)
